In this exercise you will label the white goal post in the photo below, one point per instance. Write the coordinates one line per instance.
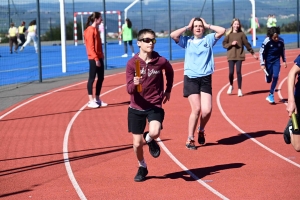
(89, 13)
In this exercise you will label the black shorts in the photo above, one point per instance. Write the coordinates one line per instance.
(137, 118)
(196, 85)
(129, 42)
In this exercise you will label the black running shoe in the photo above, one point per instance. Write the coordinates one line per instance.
(201, 138)
(286, 132)
(141, 174)
(154, 148)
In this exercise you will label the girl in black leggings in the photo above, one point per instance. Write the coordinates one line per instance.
(234, 42)
(95, 55)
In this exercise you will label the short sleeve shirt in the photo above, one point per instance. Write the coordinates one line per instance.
(199, 60)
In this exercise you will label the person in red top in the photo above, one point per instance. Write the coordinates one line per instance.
(147, 104)
(95, 55)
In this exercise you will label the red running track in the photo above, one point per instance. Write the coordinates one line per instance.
(54, 147)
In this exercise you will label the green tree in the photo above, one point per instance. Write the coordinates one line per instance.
(290, 27)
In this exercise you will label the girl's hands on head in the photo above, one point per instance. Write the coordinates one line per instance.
(191, 23)
(204, 23)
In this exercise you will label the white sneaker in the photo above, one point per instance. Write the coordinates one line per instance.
(101, 103)
(93, 104)
(21, 49)
(229, 91)
(124, 55)
(240, 94)
(132, 54)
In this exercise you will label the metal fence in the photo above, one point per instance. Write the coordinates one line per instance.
(26, 66)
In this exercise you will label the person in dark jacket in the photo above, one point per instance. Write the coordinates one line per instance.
(146, 104)
(269, 54)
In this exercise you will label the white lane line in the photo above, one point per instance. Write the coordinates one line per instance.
(189, 172)
(66, 153)
(43, 95)
(71, 174)
(243, 132)
(185, 168)
(67, 163)
(279, 90)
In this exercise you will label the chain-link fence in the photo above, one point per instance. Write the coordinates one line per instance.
(19, 67)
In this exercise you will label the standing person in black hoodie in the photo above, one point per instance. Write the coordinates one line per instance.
(147, 104)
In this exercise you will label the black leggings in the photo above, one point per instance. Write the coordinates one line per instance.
(238, 64)
(92, 75)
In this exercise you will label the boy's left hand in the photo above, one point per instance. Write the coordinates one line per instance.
(167, 96)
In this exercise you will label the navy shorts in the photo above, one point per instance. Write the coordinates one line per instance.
(137, 118)
(196, 85)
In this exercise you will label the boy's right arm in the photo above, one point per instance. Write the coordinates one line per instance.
(130, 74)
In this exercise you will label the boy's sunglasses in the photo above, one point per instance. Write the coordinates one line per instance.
(148, 40)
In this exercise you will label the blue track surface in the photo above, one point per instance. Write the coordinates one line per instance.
(23, 66)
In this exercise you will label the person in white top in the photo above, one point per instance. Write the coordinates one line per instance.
(31, 36)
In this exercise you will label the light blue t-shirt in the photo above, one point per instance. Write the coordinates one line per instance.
(199, 59)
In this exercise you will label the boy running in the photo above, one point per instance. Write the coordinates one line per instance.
(147, 104)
